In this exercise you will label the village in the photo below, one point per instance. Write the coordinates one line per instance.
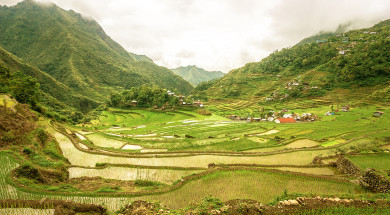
(284, 117)
(278, 117)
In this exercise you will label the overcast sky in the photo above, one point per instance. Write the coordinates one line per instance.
(220, 34)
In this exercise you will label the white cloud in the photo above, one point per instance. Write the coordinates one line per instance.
(220, 34)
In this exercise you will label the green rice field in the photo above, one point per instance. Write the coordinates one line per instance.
(373, 161)
(173, 147)
(220, 184)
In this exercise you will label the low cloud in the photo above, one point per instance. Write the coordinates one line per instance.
(185, 54)
(294, 20)
(220, 34)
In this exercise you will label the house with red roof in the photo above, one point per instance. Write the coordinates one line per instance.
(285, 120)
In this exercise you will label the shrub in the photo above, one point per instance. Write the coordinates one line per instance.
(278, 138)
(108, 189)
(188, 136)
(27, 151)
(64, 187)
(53, 154)
(204, 112)
(146, 183)
(386, 139)
(8, 137)
(208, 202)
(30, 172)
(41, 134)
(101, 164)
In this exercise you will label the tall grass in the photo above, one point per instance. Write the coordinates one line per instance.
(348, 211)
(29, 211)
(379, 161)
(248, 184)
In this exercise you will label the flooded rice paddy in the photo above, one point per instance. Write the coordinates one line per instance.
(80, 158)
(166, 176)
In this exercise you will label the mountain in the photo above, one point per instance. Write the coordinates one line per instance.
(57, 99)
(196, 75)
(143, 58)
(349, 67)
(76, 52)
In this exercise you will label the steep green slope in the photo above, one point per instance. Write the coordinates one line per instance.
(196, 75)
(324, 35)
(352, 66)
(318, 38)
(76, 51)
(54, 94)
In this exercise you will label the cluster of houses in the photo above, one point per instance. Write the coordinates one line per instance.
(344, 50)
(369, 32)
(279, 117)
(276, 96)
(290, 86)
(196, 103)
(344, 108)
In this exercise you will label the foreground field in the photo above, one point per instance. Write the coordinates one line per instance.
(223, 184)
(187, 152)
(251, 184)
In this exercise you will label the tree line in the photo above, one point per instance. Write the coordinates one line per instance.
(145, 96)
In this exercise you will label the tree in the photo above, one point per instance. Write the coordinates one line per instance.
(25, 89)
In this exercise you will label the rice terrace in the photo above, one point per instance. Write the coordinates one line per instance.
(87, 127)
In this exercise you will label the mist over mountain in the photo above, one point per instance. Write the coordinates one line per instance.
(76, 51)
(355, 63)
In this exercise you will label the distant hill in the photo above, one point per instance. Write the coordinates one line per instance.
(196, 75)
(76, 52)
(143, 58)
(349, 67)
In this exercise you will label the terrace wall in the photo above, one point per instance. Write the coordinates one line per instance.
(374, 182)
(369, 179)
(345, 166)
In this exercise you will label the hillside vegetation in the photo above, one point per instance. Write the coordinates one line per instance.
(18, 78)
(356, 60)
(76, 51)
(23, 137)
(196, 75)
(144, 96)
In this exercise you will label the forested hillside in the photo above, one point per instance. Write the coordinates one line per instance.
(76, 52)
(357, 59)
(51, 92)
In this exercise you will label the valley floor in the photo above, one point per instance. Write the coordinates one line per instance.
(178, 158)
